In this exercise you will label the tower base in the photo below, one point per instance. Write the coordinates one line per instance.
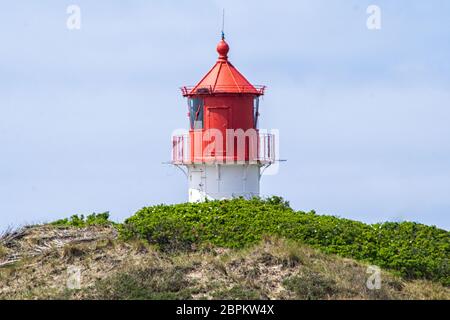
(223, 181)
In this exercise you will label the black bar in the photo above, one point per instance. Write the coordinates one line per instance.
(143, 310)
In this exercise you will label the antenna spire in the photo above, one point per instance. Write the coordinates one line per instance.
(223, 24)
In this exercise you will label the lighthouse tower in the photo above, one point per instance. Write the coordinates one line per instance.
(224, 152)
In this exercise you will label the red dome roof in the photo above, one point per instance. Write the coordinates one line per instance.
(223, 78)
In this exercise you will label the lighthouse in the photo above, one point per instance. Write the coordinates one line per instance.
(224, 152)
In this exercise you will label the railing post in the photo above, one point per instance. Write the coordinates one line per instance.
(272, 155)
(173, 148)
(182, 148)
(265, 146)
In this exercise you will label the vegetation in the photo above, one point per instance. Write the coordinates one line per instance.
(275, 268)
(3, 251)
(144, 283)
(94, 219)
(237, 292)
(311, 285)
(412, 250)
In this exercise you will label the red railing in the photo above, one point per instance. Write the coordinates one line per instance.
(189, 90)
(181, 150)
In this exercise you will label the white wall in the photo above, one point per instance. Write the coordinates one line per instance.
(223, 181)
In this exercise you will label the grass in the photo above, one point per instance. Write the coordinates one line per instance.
(3, 251)
(71, 251)
(274, 268)
(412, 250)
(237, 292)
(310, 285)
(234, 249)
(149, 283)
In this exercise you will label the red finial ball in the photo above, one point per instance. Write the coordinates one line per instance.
(222, 49)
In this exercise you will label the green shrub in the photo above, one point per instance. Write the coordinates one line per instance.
(413, 250)
(95, 219)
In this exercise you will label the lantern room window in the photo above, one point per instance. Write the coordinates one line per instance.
(196, 113)
(255, 112)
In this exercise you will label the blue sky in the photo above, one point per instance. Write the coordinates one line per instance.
(86, 116)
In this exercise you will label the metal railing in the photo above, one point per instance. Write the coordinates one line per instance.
(266, 148)
(191, 90)
(181, 151)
